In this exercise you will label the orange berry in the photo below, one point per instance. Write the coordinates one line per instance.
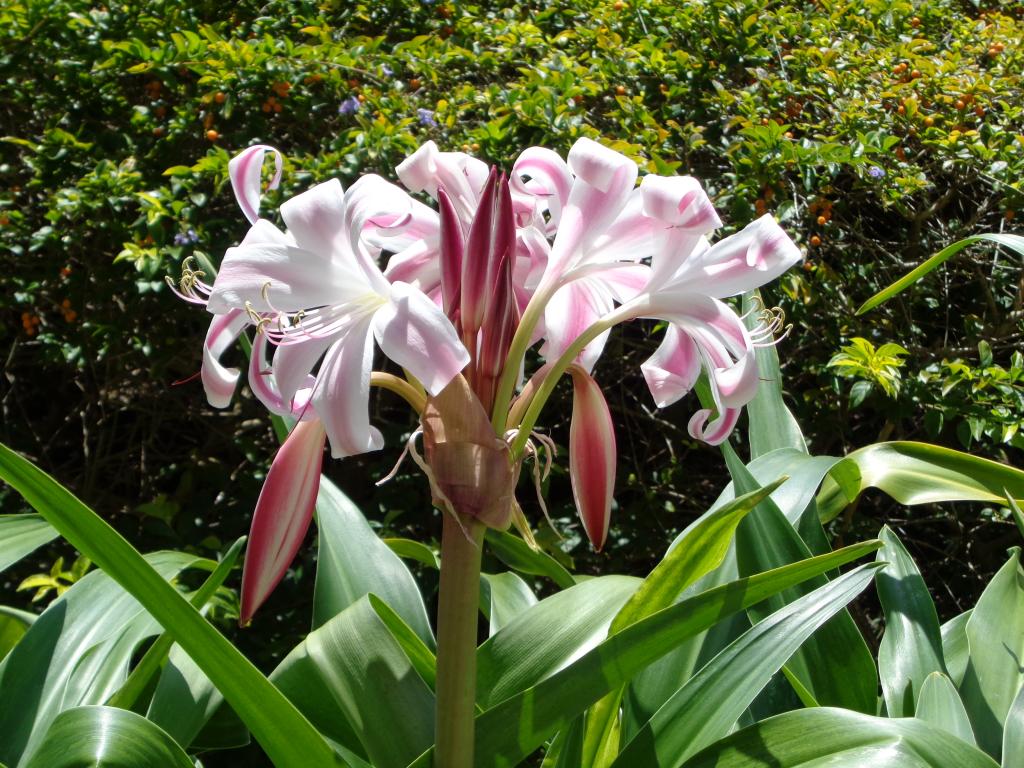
(65, 271)
(219, 97)
(618, 5)
(663, 88)
(998, 47)
(915, 22)
(900, 153)
(414, 83)
(361, 99)
(1009, 215)
(475, 146)
(353, 83)
(822, 221)
(760, 207)
(789, 134)
(66, 303)
(5, 220)
(266, 106)
(765, 121)
(929, 121)
(70, 316)
(901, 110)
(212, 135)
(959, 104)
(620, 90)
(915, 74)
(815, 241)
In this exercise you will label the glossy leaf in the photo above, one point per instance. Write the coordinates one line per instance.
(834, 664)
(414, 550)
(548, 636)
(505, 597)
(1013, 734)
(1014, 242)
(551, 704)
(353, 562)
(284, 733)
(911, 646)
(353, 680)
(939, 703)
(840, 739)
(918, 473)
(20, 535)
(706, 708)
(14, 623)
(518, 555)
(995, 634)
(107, 737)
(955, 650)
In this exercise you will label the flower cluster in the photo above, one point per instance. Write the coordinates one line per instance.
(556, 253)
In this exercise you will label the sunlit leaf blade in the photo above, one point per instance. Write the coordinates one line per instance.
(414, 550)
(771, 424)
(939, 703)
(838, 738)
(955, 650)
(1014, 242)
(517, 555)
(918, 473)
(834, 664)
(107, 737)
(20, 535)
(546, 637)
(505, 597)
(353, 562)
(911, 646)
(284, 733)
(706, 708)
(1013, 734)
(77, 652)
(355, 681)
(552, 704)
(994, 674)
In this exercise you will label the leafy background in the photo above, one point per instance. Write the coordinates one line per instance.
(878, 132)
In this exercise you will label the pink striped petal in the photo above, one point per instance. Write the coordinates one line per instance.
(263, 384)
(673, 369)
(414, 332)
(293, 364)
(283, 514)
(245, 171)
(547, 178)
(219, 381)
(574, 308)
(679, 201)
(717, 432)
(461, 175)
(592, 456)
(341, 396)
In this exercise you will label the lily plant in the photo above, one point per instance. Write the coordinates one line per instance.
(549, 256)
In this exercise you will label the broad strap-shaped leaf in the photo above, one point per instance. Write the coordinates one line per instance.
(517, 555)
(834, 664)
(20, 535)
(286, 736)
(551, 705)
(1013, 242)
(353, 562)
(548, 636)
(994, 675)
(918, 473)
(355, 682)
(107, 737)
(939, 703)
(76, 653)
(503, 597)
(1013, 734)
(955, 650)
(838, 738)
(771, 424)
(911, 647)
(706, 708)
(14, 623)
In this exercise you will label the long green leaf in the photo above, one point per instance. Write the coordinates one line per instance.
(839, 738)
(14, 623)
(834, 664)
(939, 703)
(517, 555)
(918, 473)
(547, 636)
(20, 535)
(551, 705)
(995, 634)
(77, 652)
(353, 562)
(1013, 734)
(284, 733)
(911, 647)
(505, 597)
(355, 681)
(706, 708)
(107, 737)
(772, 425)
(955, 650)
(1014, 242)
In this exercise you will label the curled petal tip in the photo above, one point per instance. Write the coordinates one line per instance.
(592, 456)
(283, 514)
(245, 171)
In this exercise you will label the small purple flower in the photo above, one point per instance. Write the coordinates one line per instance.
(426, 117)
(875, 172)
(388, 72)
(186, 238)
(349, 106)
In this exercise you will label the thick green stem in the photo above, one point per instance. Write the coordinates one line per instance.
(458, 606)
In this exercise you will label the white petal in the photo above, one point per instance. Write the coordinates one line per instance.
(245, 171)
(219, 381)
(673, 369)
(316, 218)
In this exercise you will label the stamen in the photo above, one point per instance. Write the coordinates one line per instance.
(408, 443)
(539, 476)
(770, 322)
(190, 285)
